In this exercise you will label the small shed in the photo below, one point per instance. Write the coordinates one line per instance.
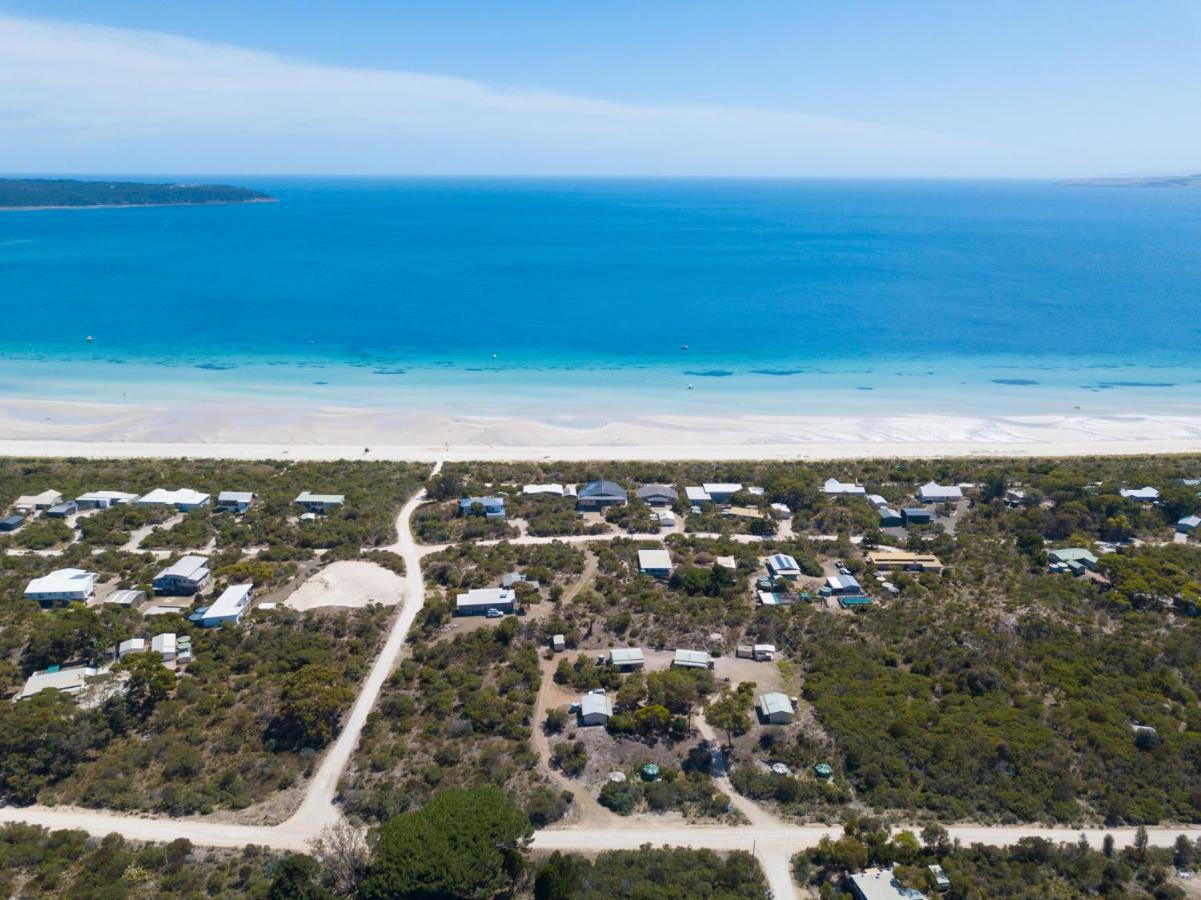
(595, 708)
(654, 562)
(775, 708)
(692, 659)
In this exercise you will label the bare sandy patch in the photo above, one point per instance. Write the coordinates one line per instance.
(350, 583)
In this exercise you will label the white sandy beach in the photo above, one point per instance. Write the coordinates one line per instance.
(263, 431)
(350, 583)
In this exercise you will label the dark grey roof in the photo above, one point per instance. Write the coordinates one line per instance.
(658, 490)
(603, 488)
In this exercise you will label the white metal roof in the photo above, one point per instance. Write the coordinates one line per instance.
(163, 643)
(125, 597)
(133, 645)
(190, 567)
(591, 704)
(310, 497)
(62, 581)
(46, 498)
(691, 658)
(232, 601)
(180, 497)
(932, 490)
(654, 559)
(107, 496)
(697, 494)
(556, 489)
(727, 562)
(834, 486)
(722, 487)
(774, 702)
(624, 656)
(235, 497)
(70, 680)
(484, 597)
(1143, 493)
(879, 884)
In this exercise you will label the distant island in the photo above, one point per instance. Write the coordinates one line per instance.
(1157, 181)
(65, 193)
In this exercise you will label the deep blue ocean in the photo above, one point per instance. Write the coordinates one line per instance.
(810, 292)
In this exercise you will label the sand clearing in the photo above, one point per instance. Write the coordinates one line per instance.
(350, 583)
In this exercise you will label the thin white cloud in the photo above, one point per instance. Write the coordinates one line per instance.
(87, 98)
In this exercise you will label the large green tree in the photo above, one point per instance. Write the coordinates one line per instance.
(463, 844)
(310, 706)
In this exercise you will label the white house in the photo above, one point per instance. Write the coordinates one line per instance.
(62, 586)
(595, 708)
(834, 486)
(103, 499)
(876, 500)
(781, 510)
(235, 501)
(319, 503)
(697, 494)
(229, 608)
(775, 708)
(44, 500)
(654, 562)
(1188, 524)
(933, 492)
(720, 492)
(183, 499)
(478, 601)
(1142, 495)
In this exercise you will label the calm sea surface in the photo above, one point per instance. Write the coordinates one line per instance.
(791, 296)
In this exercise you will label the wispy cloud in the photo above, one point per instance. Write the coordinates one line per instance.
(79, 97)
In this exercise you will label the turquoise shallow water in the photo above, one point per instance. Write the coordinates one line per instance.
(527, 296)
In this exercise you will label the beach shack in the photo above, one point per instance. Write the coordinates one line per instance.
(600, 494)
(229, 608)
(235, 501)
(720, 492)
(488, 507)
(319, 503)
(103, 499)
(657, 494)
(781, 565)
(28, 503)
(188, 575)
(834, 487)
(656, 563)
(478, 601)
(915, 515)
(61, 587)
(183, 499)
(890, 518)
(933, 492)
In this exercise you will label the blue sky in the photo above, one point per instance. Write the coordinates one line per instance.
(765, 88)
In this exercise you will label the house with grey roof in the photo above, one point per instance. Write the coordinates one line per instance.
(657, 494)
(599, 494)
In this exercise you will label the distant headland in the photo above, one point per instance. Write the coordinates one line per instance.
(1156, 181)
(65, 193)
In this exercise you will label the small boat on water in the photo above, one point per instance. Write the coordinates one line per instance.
(90, 338)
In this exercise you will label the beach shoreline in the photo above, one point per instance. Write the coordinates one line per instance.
(249, 430)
